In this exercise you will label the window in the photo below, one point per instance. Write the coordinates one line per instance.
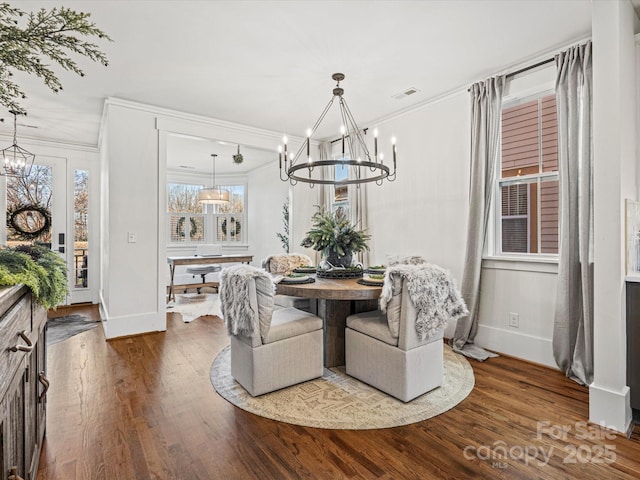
(191, 222)
(527, 188)
(340, 192)
(230, 218)
(186, 216)
(81, 228)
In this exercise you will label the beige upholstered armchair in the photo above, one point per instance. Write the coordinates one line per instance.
(399, 349)
(270, 348)
(282, 265)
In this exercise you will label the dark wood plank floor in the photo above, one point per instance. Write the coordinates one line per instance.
(143, 408)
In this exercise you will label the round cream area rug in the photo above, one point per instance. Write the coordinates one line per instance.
(342, 402)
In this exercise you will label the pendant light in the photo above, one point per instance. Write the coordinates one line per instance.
(213, 195)
(16, 161)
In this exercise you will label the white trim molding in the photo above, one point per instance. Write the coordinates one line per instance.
(609, 408)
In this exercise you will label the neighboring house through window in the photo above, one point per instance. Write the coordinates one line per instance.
(527, 187)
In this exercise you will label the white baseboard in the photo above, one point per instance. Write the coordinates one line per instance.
(134, 324)
(610, 408)
(527, 347)
(104, 313)
(131, 324)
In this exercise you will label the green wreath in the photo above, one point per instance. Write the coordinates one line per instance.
(234, 232)
(20, 220)
(180, 227)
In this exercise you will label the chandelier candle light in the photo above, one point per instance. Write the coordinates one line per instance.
(17, 161)
(213, 195)
(354, 153)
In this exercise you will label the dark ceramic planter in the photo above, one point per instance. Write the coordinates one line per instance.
(338, 261)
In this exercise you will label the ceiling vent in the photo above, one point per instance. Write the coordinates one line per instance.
(405, 93)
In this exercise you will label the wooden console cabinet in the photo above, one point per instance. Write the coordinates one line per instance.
(23, 383)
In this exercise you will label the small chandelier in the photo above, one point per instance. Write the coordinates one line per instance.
(213, 195)
(355, 154)
(16, 161)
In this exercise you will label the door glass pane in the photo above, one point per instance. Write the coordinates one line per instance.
(81, 228)
(29, 207)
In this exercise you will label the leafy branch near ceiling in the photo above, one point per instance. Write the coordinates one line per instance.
(49, 35)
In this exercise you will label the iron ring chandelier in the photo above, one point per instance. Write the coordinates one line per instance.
(354, 156)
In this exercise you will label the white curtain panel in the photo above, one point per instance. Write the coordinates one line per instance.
(573, 325)
(486, 111)
(358, 204)
(325, 192)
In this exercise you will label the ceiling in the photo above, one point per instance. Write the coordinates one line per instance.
(268, 64)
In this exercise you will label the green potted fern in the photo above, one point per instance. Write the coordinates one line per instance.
(336, 237)
(40, 269)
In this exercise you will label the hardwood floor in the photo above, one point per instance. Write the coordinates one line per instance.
(143, 408)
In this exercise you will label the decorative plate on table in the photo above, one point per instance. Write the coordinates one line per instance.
(373, 280)
(376, 269)
(297, 278)
(340, 273)
(305, 269)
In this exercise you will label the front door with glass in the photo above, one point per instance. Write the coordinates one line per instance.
(50, 207)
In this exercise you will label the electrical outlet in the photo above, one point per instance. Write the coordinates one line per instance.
(131, 237)
(514, 320)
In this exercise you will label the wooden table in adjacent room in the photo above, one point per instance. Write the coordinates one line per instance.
(337, 299)
(195, 260)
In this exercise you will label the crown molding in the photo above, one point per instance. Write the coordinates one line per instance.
(54, 144)
(169, 118)
(532, 59)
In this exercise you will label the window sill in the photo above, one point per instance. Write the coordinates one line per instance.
(225, 247)
(524, 264)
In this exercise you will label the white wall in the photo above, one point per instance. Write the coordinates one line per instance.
(614, 143)
(134, 166)
(131, 281)
(528, 290)
(304, 202)
(424, 212)
(266, 197)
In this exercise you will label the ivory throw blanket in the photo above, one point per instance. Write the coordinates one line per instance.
(285, 263)
(433, 292)
(234, 299)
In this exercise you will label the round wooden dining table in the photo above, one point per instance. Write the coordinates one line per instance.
(336, 300)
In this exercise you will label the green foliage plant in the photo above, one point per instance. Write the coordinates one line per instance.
(40, 269)
(333, 232)
(31, 42)
(284, 237)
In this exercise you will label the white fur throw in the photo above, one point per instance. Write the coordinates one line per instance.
(410, 260)
(284, 264)
(234, 298)
(433, 292)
